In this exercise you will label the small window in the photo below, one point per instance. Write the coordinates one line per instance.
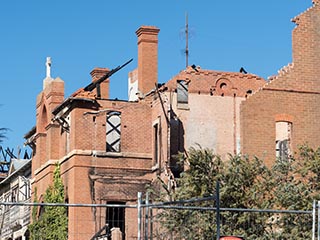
(182, 91)
(7, 199)
(14, 194)
(41, 210)
(223, 86)
(27, 235)
(115, 217)
(25, 191)
(113, 132)
(156, 143)
(283, 140)
(66, 125)
(43, 119)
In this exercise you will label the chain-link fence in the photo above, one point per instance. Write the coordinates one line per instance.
(144, 220)
(191, 222)
(204, 219)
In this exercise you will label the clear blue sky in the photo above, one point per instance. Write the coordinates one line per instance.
(80, 35)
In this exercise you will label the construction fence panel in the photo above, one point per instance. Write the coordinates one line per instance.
(161, 221)
(194, 222)
(111, 221)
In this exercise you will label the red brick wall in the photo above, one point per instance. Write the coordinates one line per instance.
(259, 116)
(47, 101)
(212, 116)
(295, 92)
(128, 171)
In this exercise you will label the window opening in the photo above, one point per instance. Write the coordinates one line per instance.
(113, 138)
(115, 217)
(7, 199)
(182, 91)
(223, 86)
(156, 143)
(283, 140)
(24, 190)
(14, 194)
(27, 235)
(44, 119)
(67, 134)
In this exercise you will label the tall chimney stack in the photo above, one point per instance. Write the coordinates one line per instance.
(103, 88)
(147, 58)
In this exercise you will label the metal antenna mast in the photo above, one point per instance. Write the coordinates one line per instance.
(187, 36)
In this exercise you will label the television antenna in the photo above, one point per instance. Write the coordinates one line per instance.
(187, 43)
(186, 33)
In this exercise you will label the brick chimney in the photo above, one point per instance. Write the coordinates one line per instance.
(147, 58)
(102, 90)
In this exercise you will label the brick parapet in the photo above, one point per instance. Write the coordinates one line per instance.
(216, 83)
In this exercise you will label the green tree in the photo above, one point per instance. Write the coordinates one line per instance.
(199, 180)
(35, 227)
(245, 183)
(296, 185)
(52, 222)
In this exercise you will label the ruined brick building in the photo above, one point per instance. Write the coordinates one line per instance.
(111, 149)
(284, 113)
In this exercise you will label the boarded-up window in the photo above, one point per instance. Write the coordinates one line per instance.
(283, 140)
(182, 91)
(113, 138)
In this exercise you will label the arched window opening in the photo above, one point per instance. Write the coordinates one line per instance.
(223, 85)
(27, 235)
(43, 119)
(283, 140)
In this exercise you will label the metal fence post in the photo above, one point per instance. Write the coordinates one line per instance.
(139, 214)
(318, 207)
(313, 220)
(151, 224)
(218, 209)
(147, 217)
